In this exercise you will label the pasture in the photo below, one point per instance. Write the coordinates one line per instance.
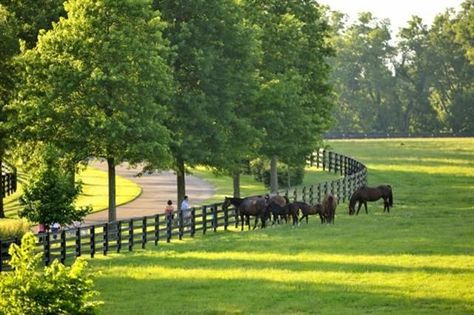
(419, 259)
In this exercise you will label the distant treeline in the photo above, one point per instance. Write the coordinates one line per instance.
(421, 83)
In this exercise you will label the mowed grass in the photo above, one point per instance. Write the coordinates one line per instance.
(94, 192)
(419, 259)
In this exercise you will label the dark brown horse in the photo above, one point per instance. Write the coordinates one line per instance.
(311, 210)
(252, 206)
(235, 201)
(329, 208)
(364, 194)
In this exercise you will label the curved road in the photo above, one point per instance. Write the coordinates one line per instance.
(157, 189)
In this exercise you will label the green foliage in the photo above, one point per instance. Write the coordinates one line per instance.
(34, 16)
(49, 196)
(13, 228)
(55, 290)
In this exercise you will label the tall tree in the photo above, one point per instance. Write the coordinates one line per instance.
(413, 74)
(212, 75)
(9, 48)
(99, 78)
(294, 103)
(452, 89)
(362, 76)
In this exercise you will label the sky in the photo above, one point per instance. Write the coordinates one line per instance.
(398, 11)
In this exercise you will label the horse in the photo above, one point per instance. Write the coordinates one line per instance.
(235, 201)
(365, 193)
(295, 208)
(252, 206)
(329, 208)
(311, 210)
(276, 206)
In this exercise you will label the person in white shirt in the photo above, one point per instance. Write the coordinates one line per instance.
(186, 211)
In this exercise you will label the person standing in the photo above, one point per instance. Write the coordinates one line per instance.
(169, 209)
(186, 211)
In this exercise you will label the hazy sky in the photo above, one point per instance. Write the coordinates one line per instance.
(398, 11)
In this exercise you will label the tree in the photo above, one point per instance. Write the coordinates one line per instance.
(34, 16)
(213, 76)
(414, 77)
(294, 103)
(10, 47)
(98, 81)
(465, 29)
(452, 88)
(49, 196)
(362, 76)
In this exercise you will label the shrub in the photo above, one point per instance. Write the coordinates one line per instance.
(50, 195)
(54, 290)
(12, 228)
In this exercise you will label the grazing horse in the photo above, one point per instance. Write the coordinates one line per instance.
(329, 208)
(276, 206)
(364, 194)
(252, 206)
(311, 210)
(295, 208)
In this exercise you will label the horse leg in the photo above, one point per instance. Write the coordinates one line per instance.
(365, 205)
(255, 224)
(358, 208)
(242, 221)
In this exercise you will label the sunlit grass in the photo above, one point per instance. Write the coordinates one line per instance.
(95, 189)
(419, 259)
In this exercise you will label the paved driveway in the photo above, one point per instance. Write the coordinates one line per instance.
(157, 189)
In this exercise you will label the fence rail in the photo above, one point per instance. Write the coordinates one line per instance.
(125, 235)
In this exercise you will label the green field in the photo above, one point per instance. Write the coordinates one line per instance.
(419, 259)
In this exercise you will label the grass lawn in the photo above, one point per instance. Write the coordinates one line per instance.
(419, 259)
(94, 192)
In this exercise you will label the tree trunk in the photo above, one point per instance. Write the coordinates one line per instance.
(236, 181)
(181, 182)
(71, 169)
(2, 212)
(273, 175)
(112, 205)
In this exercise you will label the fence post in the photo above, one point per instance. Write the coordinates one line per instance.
(105, 244)
(303, 192)
(311, 196)
(226, 218)
(214, 217)
(119, 236)
(157, 229)
(130, 235)
(63, 246)
(324, 160)
(295, 195)
(204, 219)
(144, 228)
(193, 221)
(169, 227)
(180, 224)
(47, 248)
(78, 242)
(92, 239)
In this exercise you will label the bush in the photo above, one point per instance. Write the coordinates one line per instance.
(55, 290)
(49, 197)
(12, 228)
(261, 172)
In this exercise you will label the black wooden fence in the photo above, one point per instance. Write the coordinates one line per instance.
(125, 235)
(8, 180)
